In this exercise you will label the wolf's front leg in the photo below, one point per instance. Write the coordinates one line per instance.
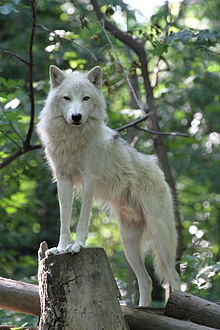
(84, 218)
(65, 196)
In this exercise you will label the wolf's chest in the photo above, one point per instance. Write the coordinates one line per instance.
(66, 158)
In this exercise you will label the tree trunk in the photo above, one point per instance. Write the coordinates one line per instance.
(186, 306)
(79, 292)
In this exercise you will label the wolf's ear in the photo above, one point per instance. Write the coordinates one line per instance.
(56, 76)
(95, 76)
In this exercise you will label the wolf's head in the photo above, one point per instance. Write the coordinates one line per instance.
(76, 96)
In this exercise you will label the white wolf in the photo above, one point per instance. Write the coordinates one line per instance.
(82, 151)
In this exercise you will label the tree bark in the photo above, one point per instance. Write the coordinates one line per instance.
(186, 306)
(79, 292)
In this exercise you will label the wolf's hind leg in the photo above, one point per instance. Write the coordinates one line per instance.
(131, 237)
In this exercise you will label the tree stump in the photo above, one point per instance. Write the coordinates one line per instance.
(78, 292)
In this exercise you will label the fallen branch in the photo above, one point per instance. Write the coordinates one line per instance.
(144, 320)
(19, 297)
(185, 306)
(24, 298)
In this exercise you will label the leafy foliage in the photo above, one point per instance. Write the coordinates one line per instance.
(199, 39)
(184, 71)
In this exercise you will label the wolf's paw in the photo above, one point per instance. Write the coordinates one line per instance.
(54, 251)
(75, 247)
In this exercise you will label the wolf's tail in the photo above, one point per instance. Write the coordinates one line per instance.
(162, 236)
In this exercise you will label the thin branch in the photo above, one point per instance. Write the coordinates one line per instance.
(211, 51)
(166, 62)
(8, 137)
(140, 105)
(26, 143)
(135, 122)
(136, 46)
(31, 64)
(43, 27)
(156, 72)
(11, 125)
(161, 133)
(3, 51)
(127, 39)
(173, 21)
(9, 159)
(17, 154)
(15, 131)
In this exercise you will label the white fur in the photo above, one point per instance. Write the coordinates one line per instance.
(90, 155)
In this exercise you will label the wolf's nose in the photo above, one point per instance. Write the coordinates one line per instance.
(76, 117)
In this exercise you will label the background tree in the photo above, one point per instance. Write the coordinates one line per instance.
(180, 42)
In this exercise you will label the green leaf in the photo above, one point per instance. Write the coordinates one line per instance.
(184, 36)
(194, 37)
(160, 48)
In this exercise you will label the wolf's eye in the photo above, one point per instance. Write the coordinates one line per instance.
(86, 98)
(67, 98)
